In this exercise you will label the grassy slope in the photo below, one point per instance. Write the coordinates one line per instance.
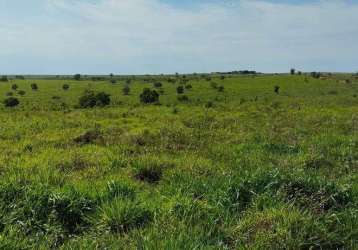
(257, 170)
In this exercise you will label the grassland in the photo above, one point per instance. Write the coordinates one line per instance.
(245, 168)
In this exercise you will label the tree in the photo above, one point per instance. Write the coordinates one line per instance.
(11, 102)
(14, 87)
(293, 71)
(180, 90)
(221, 88)
(149, 96)
(77, 77)
(277, 89)
(126, 90)
(90, 99)
(65, 86)
(34, 86)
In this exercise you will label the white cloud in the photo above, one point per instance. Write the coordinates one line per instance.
(140, 36)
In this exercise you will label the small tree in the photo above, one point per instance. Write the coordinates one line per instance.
(221, 88)
(126, 90)
(90, 99)
(277, 89)
(180, 90)
(65, 86)
(149, 96)
(11, 102)
(77, 77)
(188, 86)
(293, 71)
(14, 87)
(158, 84)
(214, 85)
(34, 86)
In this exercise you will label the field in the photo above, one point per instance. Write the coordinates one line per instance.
(238, 167)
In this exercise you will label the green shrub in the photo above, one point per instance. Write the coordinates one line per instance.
(183, 98)
(11, 102)
(214, 85)
(180, 89)
(149, 96)
(34, 86)
(14, 86)
(277, 89)
(9, 93)
(91, 99)
(126, 90)
(21, 92)
(221, 88)
(158, 85)
(65, 86)
(90, 136)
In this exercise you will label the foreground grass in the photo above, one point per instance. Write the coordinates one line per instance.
(254, 169)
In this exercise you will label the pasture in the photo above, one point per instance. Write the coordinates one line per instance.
(233, 165)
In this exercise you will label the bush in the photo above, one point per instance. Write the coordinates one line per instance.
(149, 96)
(183, 98)
(209, 104)
(9, 94)
(188, 86)
(34, 86)
(221, 88)
(158, 85)
(90, 99)
(277, 89)
(14, 87)
(126, 90)
(65, 86)
(180, 89)
(11, 102)
(214, 85)
(21, 92)
(89, 137)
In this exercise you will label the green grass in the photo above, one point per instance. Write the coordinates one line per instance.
(244, 168)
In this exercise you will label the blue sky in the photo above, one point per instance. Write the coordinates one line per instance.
(166, 36)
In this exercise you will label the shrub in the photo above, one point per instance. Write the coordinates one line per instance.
(221, 88)
(209, 104)
(180, 89)
(11, 102)
(21, 92)
(214, 85)
(14, 87)
(9, 94)
(91, 99)
(277, 89)
(158, 85)
(188, 86)
(65, 86)
(123, 216)
(89, 137)
(113, 81)
(126, 90)
(183, 98)
(149, 96)
(34, 86)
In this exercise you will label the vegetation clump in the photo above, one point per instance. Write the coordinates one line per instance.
(11, 102)
(149, 96)
(91, 99)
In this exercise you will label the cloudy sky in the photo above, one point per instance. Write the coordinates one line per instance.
(165, 36)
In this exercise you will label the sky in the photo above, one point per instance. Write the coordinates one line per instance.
(167, 36)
